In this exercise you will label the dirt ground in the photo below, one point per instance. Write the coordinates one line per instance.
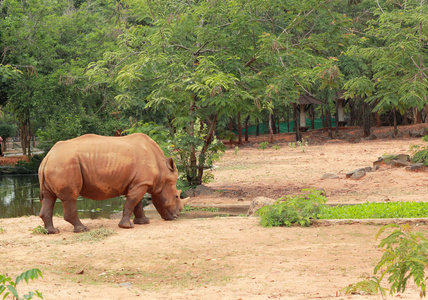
(231, 257)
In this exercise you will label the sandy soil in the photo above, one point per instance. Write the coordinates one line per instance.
(234, 257)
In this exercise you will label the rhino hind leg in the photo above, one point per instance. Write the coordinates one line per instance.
(70, 215)
(140, 217)
(46, 212)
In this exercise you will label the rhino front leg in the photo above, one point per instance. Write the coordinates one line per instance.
(46, 212)
(132, 200)
(140, 217)
(70, 215)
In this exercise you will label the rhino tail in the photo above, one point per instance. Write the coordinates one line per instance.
(42, 177)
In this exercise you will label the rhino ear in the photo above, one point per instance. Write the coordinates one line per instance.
(170, 163)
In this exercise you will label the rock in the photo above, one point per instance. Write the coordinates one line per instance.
(200, 190)
(419, 167)
(394, 160)
(258, 203)
(358, 174)
(329, 176)
(418, 133)
(399, 163)
(372, 137)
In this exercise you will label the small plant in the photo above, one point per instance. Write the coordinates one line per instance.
(2, 230)
(8, 286)
(39, 230)
(207, 177)
(263, 145)
(367, 286)
(236, 150)
(276, 147)
(289, 211)
(292, 144)
(302, 144)
(420, 153)
(405, 257)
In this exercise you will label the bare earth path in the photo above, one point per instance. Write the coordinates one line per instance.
(228, 258)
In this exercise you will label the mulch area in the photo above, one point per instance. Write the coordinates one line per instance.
(12, 160)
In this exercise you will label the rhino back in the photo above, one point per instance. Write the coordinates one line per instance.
(99, 167)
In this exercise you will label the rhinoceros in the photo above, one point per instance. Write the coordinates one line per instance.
(99, 168)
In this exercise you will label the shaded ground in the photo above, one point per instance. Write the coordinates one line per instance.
(229, 258)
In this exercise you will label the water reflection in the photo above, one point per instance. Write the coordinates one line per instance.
(19, 196)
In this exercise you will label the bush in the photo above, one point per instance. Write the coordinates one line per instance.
(405, 257)
(8, 286)
(30, 167)
(289, 211)
(420, 153)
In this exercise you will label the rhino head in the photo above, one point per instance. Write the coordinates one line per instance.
(167, 201)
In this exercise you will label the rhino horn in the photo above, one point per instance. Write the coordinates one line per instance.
(183, 202)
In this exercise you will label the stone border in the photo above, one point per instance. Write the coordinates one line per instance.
(329, 222)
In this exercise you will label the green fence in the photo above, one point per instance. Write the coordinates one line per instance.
(286, 126)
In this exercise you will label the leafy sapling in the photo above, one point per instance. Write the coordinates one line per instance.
(8, 286)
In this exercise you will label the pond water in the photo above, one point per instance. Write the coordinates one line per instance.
(19, 196)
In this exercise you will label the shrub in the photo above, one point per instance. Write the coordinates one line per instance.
(263, 145)
(8, 286)
(420, 153)
(39, 230)
(289, 211)
(405, 257)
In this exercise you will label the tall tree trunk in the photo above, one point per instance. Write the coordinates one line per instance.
(328, 121)
(323, 118)
(23, 133)
(395, 122)
(202, 155)
(312, 116)
(231, 129)
(270, 127)
(377, 119)
(192, 173)
(297, 123)
(246, 127)
(274, 123)
(366, 119)
(239, 129)
(336, 115)
(257, 127)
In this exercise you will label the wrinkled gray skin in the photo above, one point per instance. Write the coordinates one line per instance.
(99, 168)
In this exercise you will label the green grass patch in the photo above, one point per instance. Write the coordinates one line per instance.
(376, 211)
(188, 208)
(95, 235)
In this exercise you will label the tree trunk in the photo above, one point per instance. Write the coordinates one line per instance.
(202, 155)
(239, 129)
(270, 127)
(23, 133)
(246, 127)
(395, 122)
(297, 123)
(312, 116)
(336, 115)
(377, 119)
(257, 127)
(231, 129)
(192, 173)
(274, 123)
(328, 121)
(366, 119)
